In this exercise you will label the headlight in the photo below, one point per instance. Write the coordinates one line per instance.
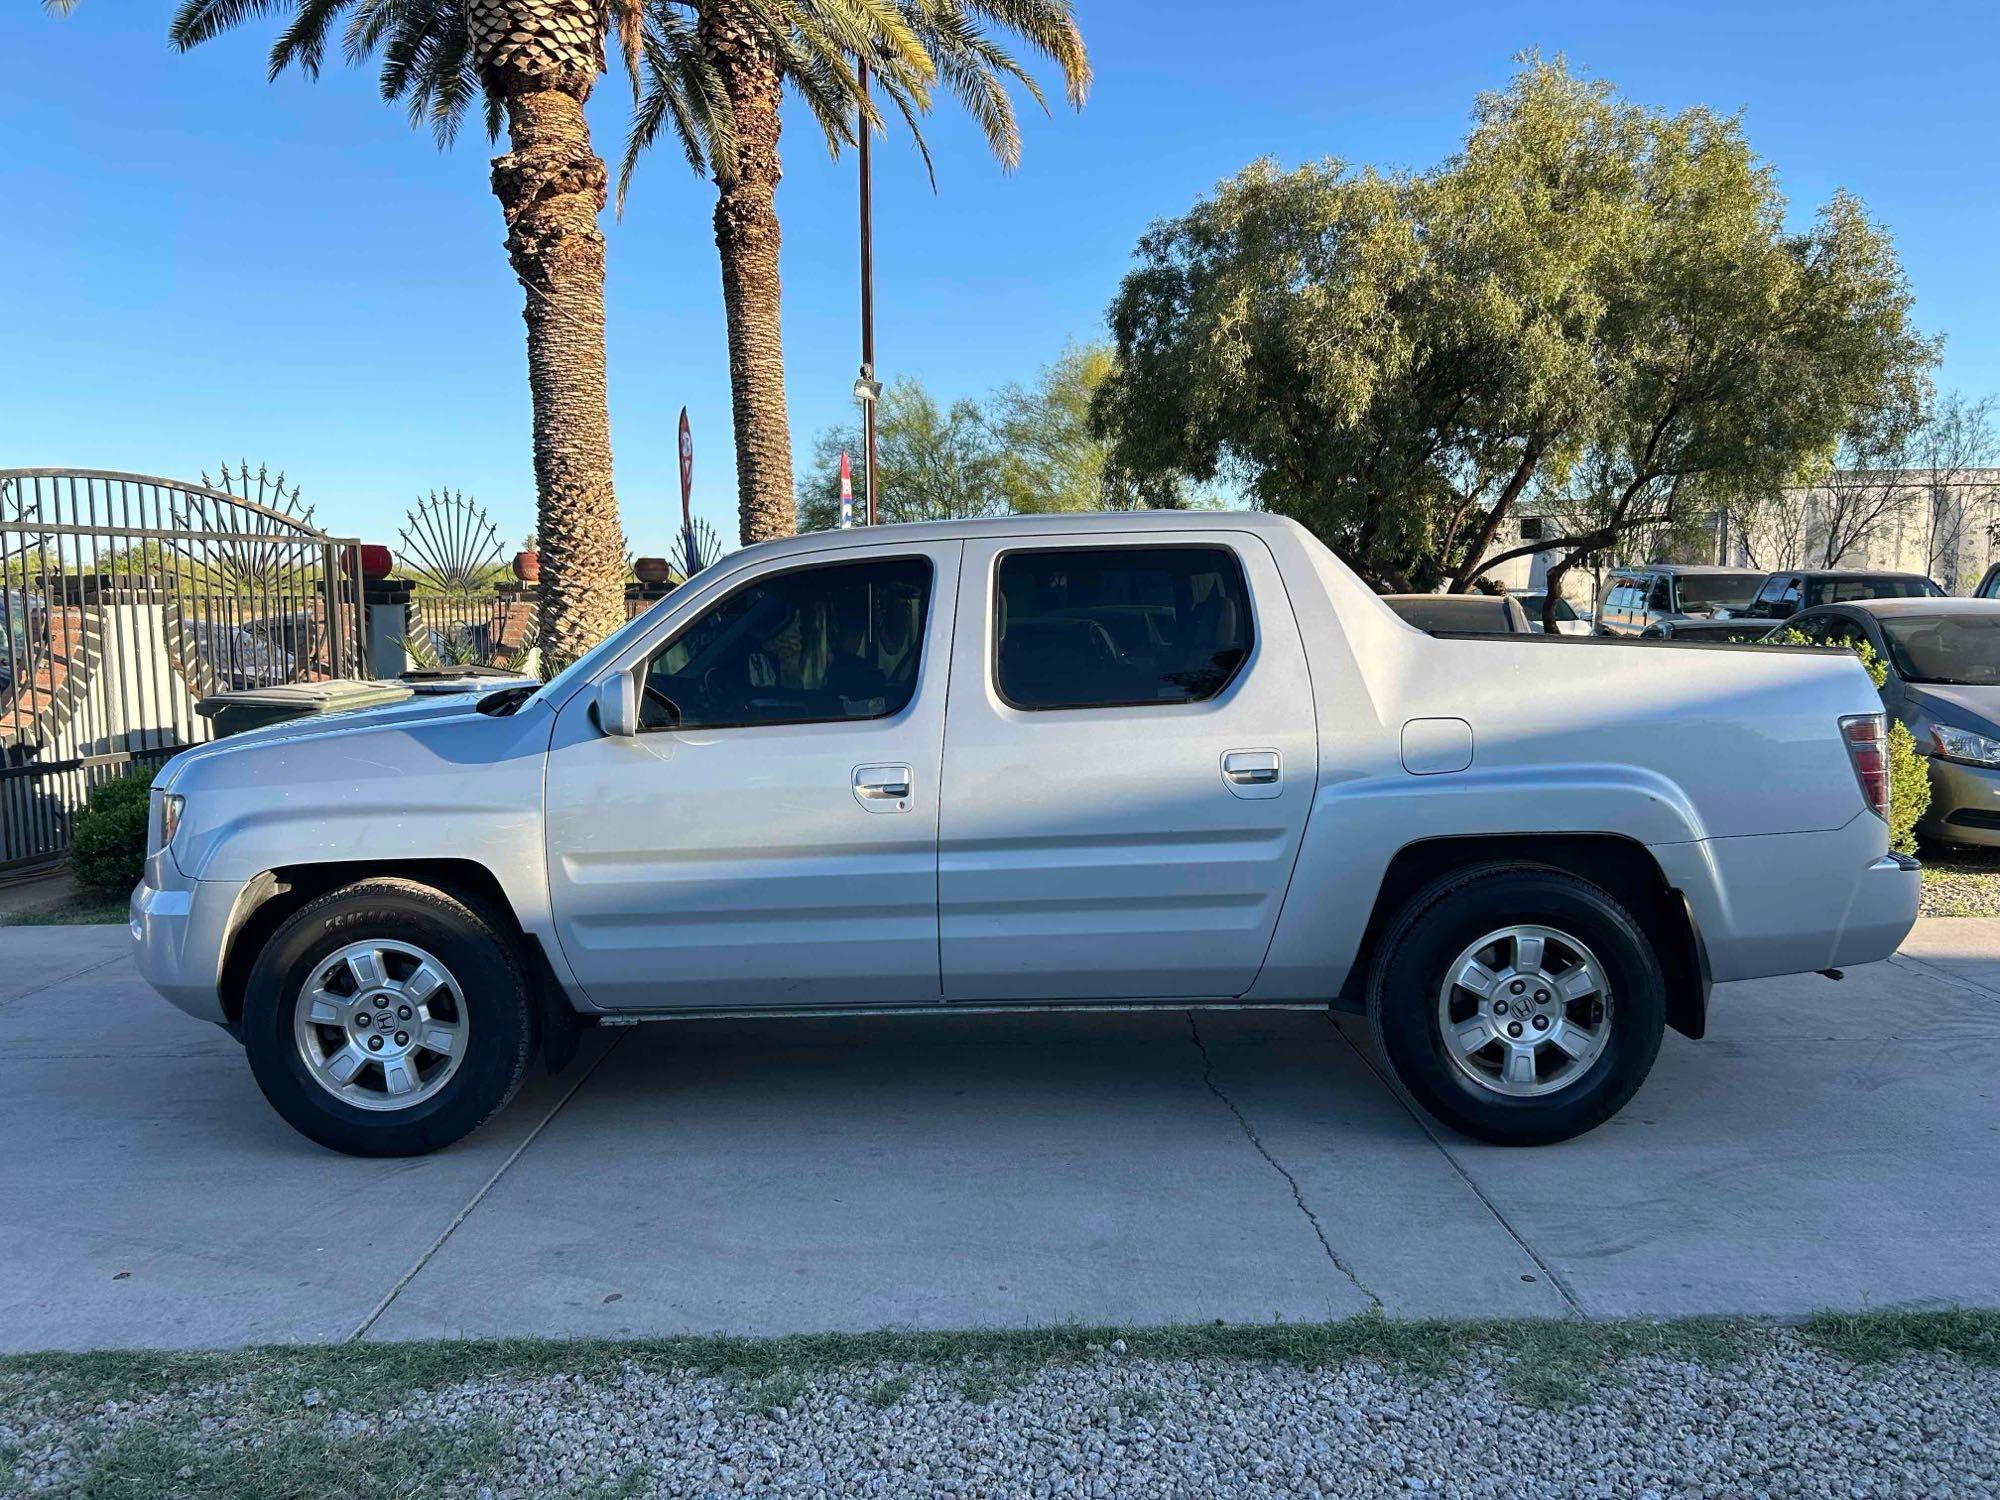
(170, 816)
(1964, 745)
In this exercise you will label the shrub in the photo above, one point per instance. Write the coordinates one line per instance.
(1909, 777)
(107, 840)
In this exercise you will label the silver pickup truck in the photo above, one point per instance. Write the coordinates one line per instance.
(1160, 760)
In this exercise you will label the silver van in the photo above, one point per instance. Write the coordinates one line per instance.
(1635, 598)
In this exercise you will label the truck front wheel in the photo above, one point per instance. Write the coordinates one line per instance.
(388, 1018)
(1520, 1004)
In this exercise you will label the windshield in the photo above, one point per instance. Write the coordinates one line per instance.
(1532, 603)
(1947, 649)
(1718, 590)
(558, 687)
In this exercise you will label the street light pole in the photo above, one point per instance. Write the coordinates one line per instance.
(867, 305)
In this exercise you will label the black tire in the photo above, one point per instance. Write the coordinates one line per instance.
(482, 959)
(1454, 912)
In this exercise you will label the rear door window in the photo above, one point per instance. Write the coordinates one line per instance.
(1109, 627)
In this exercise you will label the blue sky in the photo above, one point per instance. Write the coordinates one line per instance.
(201, 266)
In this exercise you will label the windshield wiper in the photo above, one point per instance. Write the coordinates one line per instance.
(499, 705)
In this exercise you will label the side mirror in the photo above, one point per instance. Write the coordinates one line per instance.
(618, 705)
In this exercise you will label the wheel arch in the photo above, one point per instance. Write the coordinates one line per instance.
(276, 894)
(1623, 866)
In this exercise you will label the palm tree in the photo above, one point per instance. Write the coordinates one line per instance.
(755, 49)
(535, 62)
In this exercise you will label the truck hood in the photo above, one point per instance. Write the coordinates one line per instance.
(415, 712)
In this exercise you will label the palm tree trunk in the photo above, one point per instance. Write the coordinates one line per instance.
(746, 235)
(540, 58)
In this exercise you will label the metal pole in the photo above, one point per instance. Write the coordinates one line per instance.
(867, 300)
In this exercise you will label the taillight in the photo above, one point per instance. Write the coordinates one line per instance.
(1867, 737)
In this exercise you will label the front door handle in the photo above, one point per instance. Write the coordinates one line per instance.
(1253, 773)
(882, 789)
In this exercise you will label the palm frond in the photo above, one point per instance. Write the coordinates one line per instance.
(304, 41)
(681, 90)
(424, 47)
(198, 21)
(628, 19)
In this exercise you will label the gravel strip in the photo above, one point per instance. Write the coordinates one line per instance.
(1777, 1416)
(1949, 892)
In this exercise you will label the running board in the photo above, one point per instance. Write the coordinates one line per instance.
(952, 1008)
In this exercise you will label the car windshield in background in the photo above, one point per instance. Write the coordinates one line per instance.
(1845, 590)
(1532, 603)
(1717, 591)
(1945, 650)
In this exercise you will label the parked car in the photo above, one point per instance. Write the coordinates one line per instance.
(1461, 614)
(1569, 619)
(1042, 762)
(1943, 660)
(1715, 632)
(1989, 584)
(1782, 595)
(1635, 598)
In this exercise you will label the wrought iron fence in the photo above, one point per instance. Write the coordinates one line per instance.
(124, 599)
(451, 553)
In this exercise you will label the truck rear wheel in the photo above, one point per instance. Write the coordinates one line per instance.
(1518, 1003)
(388, 1018)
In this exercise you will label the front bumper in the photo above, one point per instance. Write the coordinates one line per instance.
(1965, 804)
(180, 928)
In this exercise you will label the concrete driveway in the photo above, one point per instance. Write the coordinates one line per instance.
(1830, 1145)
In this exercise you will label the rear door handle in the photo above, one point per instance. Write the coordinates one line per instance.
(883, 789)
(1253, 773)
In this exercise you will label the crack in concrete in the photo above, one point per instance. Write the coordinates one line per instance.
(362, 1329)
(1298, 1197)
(64, 979)
(1424, 1124)
(1928, 970)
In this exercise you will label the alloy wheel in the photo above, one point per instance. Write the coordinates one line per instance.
(1524, 1011)
(381, 1024)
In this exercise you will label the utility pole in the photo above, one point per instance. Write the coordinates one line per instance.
(867, 388)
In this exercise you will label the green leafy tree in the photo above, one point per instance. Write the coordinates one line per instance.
(716, 74)
(1051, 459)
(534, 62)
(1594, 310)
(933, 462)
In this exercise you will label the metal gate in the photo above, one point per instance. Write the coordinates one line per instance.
(123, 600)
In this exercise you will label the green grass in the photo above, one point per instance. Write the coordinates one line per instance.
(305, 1449)
(294, 1461)
(888, 1392)
(366, 1377)
(81, 910)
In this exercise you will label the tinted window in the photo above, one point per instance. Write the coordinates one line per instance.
(811, 646)
(1716, 590)
(1103, 626)
(1474, 614)
(1953, 648)
(1843, 590)
(1662, 595)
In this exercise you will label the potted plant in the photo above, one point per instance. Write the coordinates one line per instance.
(528, 562)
